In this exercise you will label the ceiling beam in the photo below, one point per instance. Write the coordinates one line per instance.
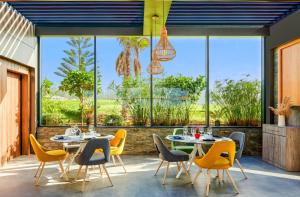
(159, 8)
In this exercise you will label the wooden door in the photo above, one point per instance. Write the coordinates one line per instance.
(289, 72)
(10, 119)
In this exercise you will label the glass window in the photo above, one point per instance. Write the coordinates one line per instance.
(125, 86)
(235, 81)
(179, 92)
(67, 80)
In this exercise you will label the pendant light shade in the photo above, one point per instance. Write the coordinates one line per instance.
(155, 67)
(164, 49)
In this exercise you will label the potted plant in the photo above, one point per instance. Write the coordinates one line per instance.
(282, 110)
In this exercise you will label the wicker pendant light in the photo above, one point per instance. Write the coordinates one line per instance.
(164, 49)
(154, 67)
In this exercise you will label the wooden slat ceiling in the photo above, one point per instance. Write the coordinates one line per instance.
(131, 13)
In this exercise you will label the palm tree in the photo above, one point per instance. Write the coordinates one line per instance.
(79, 56)
(123, 63)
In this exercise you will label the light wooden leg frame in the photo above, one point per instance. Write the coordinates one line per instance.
(196, 176)
(232, 181)
(107, 174)
(64, 174)
(207, 182)
(38, 169)
(113, 159)
(39, 175)
(162, 161)
(166, 172)
(120, 160)
(84, 179)
(241, 167)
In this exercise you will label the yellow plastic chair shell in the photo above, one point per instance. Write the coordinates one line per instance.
(117, 144)
(213, 160)
(44, 156)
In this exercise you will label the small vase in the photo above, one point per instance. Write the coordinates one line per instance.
(281, 120)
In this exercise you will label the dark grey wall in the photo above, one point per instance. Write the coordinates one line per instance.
(280, 33)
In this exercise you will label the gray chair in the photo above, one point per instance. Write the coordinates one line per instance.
(165, 154)
(89, 157)
(239, 138)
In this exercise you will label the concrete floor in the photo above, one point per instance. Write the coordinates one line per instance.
(16, 179)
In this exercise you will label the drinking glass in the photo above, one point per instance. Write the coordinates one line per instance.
(185, 130)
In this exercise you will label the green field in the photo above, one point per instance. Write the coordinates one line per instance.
(64, 112)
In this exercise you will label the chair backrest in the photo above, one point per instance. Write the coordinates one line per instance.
(37, 148)
(161, 148)
(216, 150)
(240, 138)
(90, 148)
(119, 139)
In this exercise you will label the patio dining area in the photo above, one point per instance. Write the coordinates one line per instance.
(150, 98)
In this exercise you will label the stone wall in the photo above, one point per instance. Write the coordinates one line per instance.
(139, 140)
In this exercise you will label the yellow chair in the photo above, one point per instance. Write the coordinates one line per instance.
(213, 160)
(43, 155)
(117, 145)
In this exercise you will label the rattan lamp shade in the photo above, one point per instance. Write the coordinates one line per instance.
(164, 49)
(155, 67)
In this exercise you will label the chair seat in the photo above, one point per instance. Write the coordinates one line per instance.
(177, 155)
(97, 159)
(55, 155)
(113, 150)
(221, 163)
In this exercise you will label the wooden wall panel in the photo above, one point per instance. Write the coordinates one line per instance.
(289, 72)
(10, 119)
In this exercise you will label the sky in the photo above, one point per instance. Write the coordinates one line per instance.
(230, 58)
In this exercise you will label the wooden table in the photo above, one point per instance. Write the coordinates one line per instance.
(197, 146)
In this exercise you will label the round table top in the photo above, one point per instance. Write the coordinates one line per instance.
(204, 139)
(79, 139)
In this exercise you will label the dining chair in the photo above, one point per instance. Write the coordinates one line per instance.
(188, 148)
(165, 154)
(117, 146)
(240, 138)
(44, 155)
(90, 157)
(213, 160)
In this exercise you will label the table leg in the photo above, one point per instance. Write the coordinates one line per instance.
(81, 147)
(192, 157)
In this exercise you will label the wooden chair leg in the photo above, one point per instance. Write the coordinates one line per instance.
(207, 182)
(38, 169)
(121, 161)
(219, 176)
(63, 170)
(39, 175)
(161, 162)
(113, 159)
(100, 170)
(232, 181)
(241, 167)
(83, 183)
(196, 176)
(107, 174)
(184, 168)
(166, 172)
(78, 172)
(178, 167)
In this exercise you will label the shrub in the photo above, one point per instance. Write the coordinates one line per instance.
(113, 120)
(240, 101)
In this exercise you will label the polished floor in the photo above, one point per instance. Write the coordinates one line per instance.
(16, 179)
